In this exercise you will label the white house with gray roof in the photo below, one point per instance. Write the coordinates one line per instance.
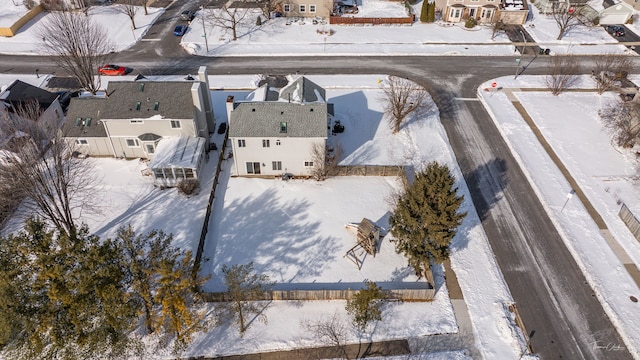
(137, 116)
(273, 131)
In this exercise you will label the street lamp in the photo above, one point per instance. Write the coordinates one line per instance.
(519, 60)
(204, 29)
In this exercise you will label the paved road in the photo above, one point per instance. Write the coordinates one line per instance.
(556, 303)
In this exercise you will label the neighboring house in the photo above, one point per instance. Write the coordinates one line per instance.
(274, 130)
(307, 8)
(549, 6)
(20, 97)
(615, 14)
(484, 11)
(635, 4)
(136, 118)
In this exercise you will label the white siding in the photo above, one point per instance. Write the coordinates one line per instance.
(292, 152)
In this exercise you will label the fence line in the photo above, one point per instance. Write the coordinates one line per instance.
(345, 20)
(205, 226)
(327, 294)
(630, 220)
(368, 170)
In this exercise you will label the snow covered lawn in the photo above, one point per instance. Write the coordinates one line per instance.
(116, 24)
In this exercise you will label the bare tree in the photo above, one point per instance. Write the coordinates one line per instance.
(228, 18)
(325, 159)
(567, 18)
(401, 98)
(622, 119)
(609, 69)
(333, 331)
(269, 6)
(79, 45)
(40, 170)
(129, 8)
(496, 28)
(562, 73)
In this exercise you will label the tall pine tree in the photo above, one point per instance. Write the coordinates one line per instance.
(426, 217)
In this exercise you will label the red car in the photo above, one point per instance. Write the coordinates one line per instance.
(110, 69)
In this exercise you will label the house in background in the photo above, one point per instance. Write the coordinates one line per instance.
(273, 131)
(307, 8)
(549, 6)
(615, 13)
(513, 12)
(136, 118)
(19, 102)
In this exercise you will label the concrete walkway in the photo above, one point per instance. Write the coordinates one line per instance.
(620, 252)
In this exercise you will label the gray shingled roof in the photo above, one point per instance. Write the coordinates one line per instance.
(174, 100)
(20, 92)
(302, 90)
(84, 108)
(262, 119)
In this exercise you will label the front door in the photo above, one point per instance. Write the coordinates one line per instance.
(472, 12)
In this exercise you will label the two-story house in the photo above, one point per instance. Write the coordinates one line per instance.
(136, 117)
(307, 8)
(274, 130)
(484, 11)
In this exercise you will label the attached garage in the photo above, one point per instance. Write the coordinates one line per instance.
(616, 14)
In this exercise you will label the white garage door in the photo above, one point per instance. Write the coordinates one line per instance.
(613, 19)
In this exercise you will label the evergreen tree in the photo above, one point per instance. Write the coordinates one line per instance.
(426, 217)
(424, 12)
(244, 286)
(71, 299)
(366, 305)
(178, 295)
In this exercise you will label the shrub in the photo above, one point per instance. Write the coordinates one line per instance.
(471, 22)
(188, 186)
(424, 13)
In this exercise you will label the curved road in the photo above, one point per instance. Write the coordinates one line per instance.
(556, 303)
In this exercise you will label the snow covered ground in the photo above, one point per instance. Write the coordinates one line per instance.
(117, 24)
(606, 173)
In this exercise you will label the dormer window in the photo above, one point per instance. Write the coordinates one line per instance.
(87, 122)
(138, 105)
(78, 122)
(283, 127)
(141, 87)
(156, 105)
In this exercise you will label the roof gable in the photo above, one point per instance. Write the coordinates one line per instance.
(20, 92)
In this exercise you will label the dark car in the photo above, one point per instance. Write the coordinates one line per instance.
(616, 30)
(180, 30)
(222, 128)
(187, 15)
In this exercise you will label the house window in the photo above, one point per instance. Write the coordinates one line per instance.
(188, 173)
(277, 142)
(133, 143)
(141, 87)
(136, 121)
(253, 168)
(308, 163)
(303, 8)
(283, 127)
(150, 148)
(179, 173)
(455, 13)
(82, 142)
(78, 122)
(138, 105)
(87, 122)
(158, 174)
(156, 105)
(168, 173)
(241, 143)
(175, 124)
(276, 165)
(265, 143)
(312, 8)
(287, 7)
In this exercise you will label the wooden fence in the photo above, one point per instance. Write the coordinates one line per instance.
(630, 220)
(13, 29)
(415, 295)
(368, 170)
(345, 20)
(205, 226)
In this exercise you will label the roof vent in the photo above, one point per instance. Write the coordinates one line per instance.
(253, 110)
(281, 112)
(311, 109)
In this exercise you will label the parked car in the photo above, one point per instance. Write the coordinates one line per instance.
(110, 69)
(188, 15)
(180, 30)
(616, 30)
(222, 128)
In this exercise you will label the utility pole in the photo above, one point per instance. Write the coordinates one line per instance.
(519, 60)
(204, 29)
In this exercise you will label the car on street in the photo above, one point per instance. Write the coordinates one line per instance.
(180, 30)
(616, 30)
(111, 69)
(187, 15)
